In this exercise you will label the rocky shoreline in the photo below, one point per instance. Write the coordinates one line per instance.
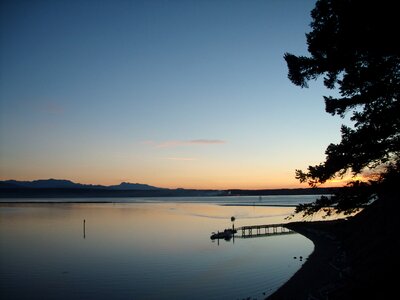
(352, 259)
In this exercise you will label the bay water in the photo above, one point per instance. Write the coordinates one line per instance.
(145, 248)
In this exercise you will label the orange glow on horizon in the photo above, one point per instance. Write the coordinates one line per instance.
(202, 184)
(347, 179)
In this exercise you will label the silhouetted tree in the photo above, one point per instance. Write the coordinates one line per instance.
(354, 46)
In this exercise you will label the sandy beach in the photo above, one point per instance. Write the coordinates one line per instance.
(352, 259)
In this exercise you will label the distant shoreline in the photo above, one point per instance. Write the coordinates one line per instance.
(104, 193)
(141, 202)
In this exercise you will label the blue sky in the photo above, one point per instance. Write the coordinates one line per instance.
(170, 93)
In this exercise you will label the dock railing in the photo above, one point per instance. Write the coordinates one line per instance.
(262, 230)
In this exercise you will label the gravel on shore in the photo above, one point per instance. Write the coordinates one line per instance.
(356, 258)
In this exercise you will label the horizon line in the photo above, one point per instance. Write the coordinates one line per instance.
(171, 188)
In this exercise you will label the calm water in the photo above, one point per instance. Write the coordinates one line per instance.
(141, 251)
(278, 200)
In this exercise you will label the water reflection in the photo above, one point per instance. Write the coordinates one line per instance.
(136, 251)
(84, 229)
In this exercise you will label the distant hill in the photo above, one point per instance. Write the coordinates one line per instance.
(60, 188)
(68, 184)
(8, 185)
(133, 186)
(40, 184)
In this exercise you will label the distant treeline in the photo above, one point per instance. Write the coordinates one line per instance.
(101, 193)
(270, 192)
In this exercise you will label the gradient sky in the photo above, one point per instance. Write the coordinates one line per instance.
(189, 94)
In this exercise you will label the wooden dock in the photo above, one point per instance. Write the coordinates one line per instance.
(263, 230)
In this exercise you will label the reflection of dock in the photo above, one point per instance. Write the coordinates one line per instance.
(263, 230)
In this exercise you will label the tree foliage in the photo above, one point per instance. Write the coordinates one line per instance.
(353, 45)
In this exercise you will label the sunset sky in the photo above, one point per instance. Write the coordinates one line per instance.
(190, 94)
